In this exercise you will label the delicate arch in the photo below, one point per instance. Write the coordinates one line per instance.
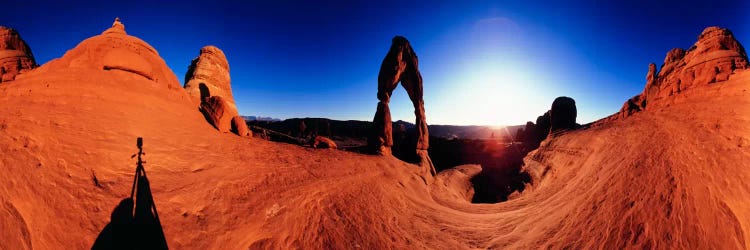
(400, 65)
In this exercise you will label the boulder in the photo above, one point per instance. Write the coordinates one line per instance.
(15, 55)
(216, 112)
(632, 105)
(322, 142)
(562, 114)
(239, 126)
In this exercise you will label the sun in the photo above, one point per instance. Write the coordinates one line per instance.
(493, 94)
(496, 84)
(499, 94)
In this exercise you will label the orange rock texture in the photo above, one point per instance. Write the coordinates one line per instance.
(15, 55)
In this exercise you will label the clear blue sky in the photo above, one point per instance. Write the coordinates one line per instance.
(483, 62)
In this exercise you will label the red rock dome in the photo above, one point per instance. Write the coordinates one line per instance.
(116, 52)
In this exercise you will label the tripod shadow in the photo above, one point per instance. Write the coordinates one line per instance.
(134, 223)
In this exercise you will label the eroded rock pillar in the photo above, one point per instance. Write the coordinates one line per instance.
(383, 139)
(412, 82)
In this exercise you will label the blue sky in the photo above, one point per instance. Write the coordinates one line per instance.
(483, 62)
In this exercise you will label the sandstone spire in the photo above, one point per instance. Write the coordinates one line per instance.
(208, 75)
(117, 27)
(208, 84)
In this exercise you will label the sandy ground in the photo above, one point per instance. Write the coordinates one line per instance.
(675, 177)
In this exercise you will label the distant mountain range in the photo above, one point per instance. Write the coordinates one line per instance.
(473, 131)
(353, 128)
(260, 118)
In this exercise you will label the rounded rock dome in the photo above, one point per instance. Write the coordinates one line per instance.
(115, 50)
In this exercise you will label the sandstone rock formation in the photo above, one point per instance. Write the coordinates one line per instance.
(15, 55)
(400, 65)
(239, 126)
(322, 142)
(651, 77)
(217, 113)
(562, 114)
(208, 75)
(713, 58)
(522, 134)
(673, 177)
(561, 117)
(121, 56)
(542, 126)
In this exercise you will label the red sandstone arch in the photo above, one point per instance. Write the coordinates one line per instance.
(400, 65)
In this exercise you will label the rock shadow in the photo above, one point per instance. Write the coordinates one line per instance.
(501, 161)
(205, 93)
(496, 185)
